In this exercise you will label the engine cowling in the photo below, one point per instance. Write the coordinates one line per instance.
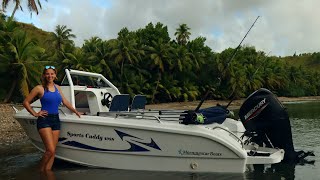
(265, 116)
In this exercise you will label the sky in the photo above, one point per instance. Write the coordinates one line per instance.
(285, 27)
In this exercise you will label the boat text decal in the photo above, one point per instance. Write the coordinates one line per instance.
(136, 144)
(198, 153)
(256, 110)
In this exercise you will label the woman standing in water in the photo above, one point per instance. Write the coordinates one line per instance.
(48, 122)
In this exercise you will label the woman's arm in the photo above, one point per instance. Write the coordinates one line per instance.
(67, 103)
(26, 103)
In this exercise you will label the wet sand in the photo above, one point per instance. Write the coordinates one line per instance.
(11, 132)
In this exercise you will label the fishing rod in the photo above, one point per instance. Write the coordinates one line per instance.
(227, 65)
(251, 78)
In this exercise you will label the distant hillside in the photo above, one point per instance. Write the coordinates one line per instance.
(40, 35)
(307, 60)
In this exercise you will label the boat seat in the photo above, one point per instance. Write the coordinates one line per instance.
(120, 102)
(138, 102)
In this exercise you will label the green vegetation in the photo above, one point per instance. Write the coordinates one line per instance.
(32, 6)
(147, 61)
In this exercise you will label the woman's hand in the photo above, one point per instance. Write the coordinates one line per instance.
(41, 113)
(78, 114)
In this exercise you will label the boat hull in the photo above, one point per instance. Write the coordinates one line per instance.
(147, 145)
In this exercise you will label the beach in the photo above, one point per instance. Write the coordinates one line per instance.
(11, 132)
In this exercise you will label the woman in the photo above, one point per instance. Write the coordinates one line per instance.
(48, 122)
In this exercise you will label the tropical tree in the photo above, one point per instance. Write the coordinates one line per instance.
(78, 60)
(32, 6)
(274, 74)
(91, 45)
(7, 27)
(98, 53)
(198, 51)
(61, 37)
(152, 33)
(253, 78)
(180, 59)
(182, 34)
(124, 50)
(23, 63)
(159, 56)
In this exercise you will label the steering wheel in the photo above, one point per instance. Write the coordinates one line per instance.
(107, 98)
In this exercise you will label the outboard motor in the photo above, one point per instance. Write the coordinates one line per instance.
(263, 115)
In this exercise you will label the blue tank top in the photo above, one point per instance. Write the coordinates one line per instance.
(50, 101)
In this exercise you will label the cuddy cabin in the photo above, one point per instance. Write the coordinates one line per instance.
(91, 94)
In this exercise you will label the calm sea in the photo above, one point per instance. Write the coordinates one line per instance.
(20, 161)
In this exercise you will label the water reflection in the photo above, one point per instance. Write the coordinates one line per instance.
(48, 175)
(307, 110)
(276, 171)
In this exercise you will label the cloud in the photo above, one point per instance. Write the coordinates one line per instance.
(285, 27)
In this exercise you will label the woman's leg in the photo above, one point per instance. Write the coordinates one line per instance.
(49, 143)
(55, 134)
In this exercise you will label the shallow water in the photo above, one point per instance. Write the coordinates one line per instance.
(20, 161)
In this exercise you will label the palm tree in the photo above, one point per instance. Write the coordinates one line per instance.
(197, 52)
(61, 37)
(183, 34)
(253, 77)
(274, 75)
(32, 6)
(91, 45)
(159, 54)
(7, 27)
(78, 60)
(124, 50)
(22, 60)
(236, 81)
(181, 60)
(169, 89)
(98, 53)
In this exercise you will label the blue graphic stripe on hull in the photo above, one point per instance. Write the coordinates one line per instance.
(133, 148)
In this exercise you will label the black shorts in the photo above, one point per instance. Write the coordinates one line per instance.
(52, 120)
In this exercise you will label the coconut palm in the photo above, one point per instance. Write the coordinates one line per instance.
(32, 6)
(78, 60)
(91, 45)
(7, 27)
(159, 55)
(253, 78)
(22, 61)
(124, 50)
(61, 37)
(182, 34)
(274, 75)
(198, 52)
(98, 53)
(181, 60)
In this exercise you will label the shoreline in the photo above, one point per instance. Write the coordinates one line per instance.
(11, 132)
(234, 105)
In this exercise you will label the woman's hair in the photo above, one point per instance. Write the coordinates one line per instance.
(44, 80)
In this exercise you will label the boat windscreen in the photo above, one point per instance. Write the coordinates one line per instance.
(79, 80)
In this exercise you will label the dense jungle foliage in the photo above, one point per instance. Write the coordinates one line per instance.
(147, 61)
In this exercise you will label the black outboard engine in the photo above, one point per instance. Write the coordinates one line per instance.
(263, 115)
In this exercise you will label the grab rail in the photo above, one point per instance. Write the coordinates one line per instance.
(137, 116)
(158, 119)
(236, 137)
